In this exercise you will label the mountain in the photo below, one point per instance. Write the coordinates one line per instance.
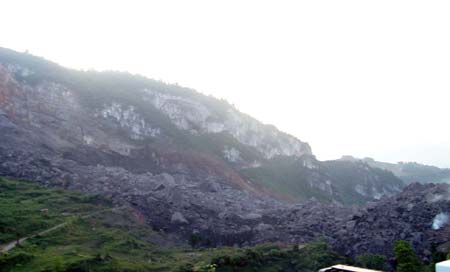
(409, 172)
(138, 125)
(190, 163)
(195, 168)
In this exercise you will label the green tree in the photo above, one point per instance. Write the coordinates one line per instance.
(372, 261)
(407, 260)
(195, 240)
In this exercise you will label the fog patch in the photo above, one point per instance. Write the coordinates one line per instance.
(436, 197)
(440, 220)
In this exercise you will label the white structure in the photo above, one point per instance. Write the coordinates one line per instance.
(443, 266)
(346, 268)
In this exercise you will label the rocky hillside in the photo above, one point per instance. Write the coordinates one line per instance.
(190, 163)
(420, 214)
(409, 172)
(143, 126)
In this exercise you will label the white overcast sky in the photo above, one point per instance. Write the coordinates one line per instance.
(366, 78)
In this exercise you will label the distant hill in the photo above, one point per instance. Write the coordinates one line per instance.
(409, 172)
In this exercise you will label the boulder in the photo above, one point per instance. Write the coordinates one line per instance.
(178, 218)
(263, 227)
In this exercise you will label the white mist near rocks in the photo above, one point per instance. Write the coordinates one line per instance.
(440, 220)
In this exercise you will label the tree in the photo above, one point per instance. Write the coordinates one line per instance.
(372, 261)
(195, 240)
(407, 260)
(19, 233)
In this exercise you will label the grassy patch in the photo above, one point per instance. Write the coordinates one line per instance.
(26, 208)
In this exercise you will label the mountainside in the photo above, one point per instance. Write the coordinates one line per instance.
(143, 126)
(329, 181)
(196, 168)
(409, 172)
(190, 163)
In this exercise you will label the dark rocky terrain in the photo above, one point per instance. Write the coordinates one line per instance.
(417, 214)
(196, 166)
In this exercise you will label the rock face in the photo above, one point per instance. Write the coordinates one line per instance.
(193, 115)
(190, 163)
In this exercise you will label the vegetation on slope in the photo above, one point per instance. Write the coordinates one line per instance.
(99, 237)
(292, 176)
(270, 258)
(286, 175)
(26, 208)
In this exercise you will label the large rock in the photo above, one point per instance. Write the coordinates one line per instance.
(178, 218)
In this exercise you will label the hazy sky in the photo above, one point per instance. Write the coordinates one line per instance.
(366, 78)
